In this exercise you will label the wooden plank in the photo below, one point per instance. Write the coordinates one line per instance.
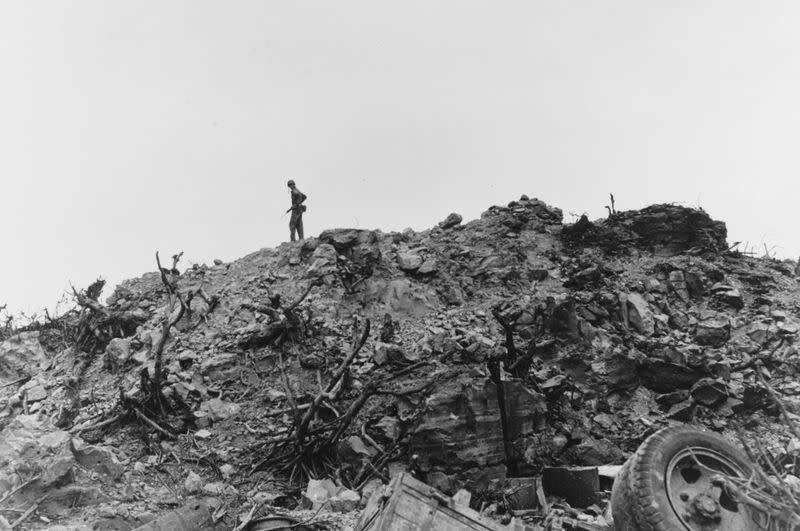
(415, 506)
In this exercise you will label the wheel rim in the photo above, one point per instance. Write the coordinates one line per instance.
(699, 503)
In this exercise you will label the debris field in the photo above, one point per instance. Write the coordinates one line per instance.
(507, 367)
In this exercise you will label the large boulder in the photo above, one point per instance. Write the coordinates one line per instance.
(451, 221)
(408, 261)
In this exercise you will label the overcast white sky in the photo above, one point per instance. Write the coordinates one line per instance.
(136, 126)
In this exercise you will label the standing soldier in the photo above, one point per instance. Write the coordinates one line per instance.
(297, 209)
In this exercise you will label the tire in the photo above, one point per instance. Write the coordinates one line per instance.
(640, 499)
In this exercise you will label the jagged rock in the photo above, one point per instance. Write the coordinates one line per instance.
(759, 332)
(639, 314)
(675, 397)
(677, 282)
(429, 266)
(564, 318)
(399, 297)
(451, 221)
(58, 471)
(344, 501)
(652, 285)
(593, 452)
(408, 261)
(33, 391)
(221, 367)
(218, 488)
(227, 470)
(579, 486)
(319, 492)
(621, 372)
(193, 483)
(65, 499)
(21, 355)
(323, 260)
(28, 444)
(539, 274)
(118, 351)
(358, 246)
(709, 392)
(665, 377)
(679, 320)
(683, 411)
(695, 283)
(461, 425)
(713, 332)
(787, 329)
(389, 353)
(219, 410)
(728, 295)
(97, 458)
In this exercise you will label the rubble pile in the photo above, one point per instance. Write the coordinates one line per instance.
(500, 350)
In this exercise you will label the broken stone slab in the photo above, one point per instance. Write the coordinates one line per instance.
(579, 486)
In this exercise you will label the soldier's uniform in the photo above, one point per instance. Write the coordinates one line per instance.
(296, 221)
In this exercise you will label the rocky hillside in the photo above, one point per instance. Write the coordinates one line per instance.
(496, 347)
